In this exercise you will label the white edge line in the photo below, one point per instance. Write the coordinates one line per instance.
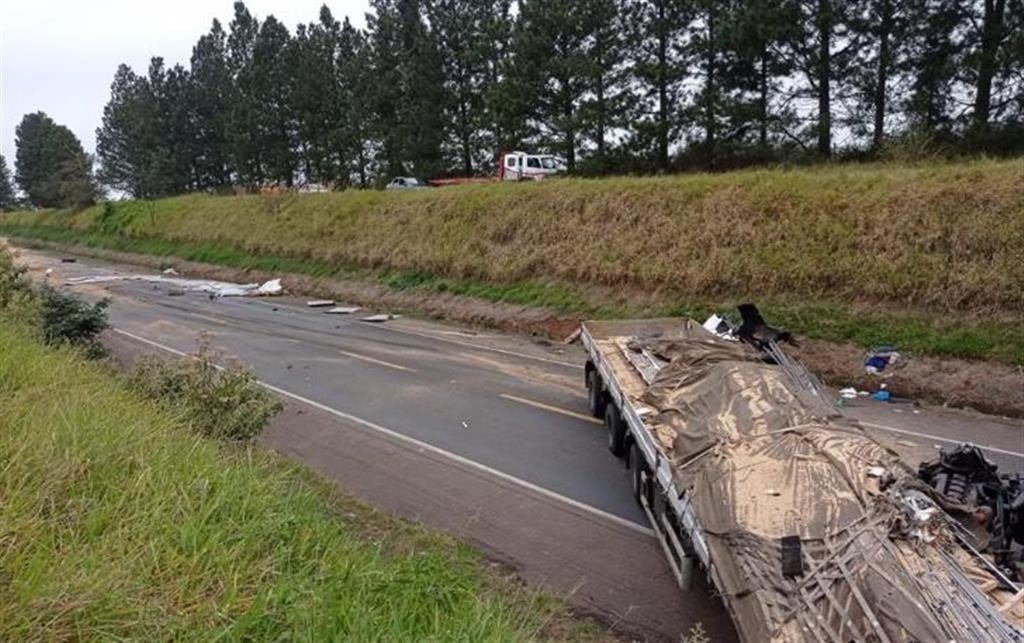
(424, 446)
(883, 427)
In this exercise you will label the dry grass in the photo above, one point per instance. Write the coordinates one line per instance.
(946, 237)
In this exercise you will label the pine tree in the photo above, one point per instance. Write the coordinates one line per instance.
(8, 200)
(552, 40)
(353, 137)
(753, 37)
(660, 70)
(51, 167)
(610, 102)
(212, 95)
(270, 82)
(408, 88)
(464, 33)
(243, 117)
(934, 50)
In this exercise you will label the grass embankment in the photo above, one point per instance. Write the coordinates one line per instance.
(117, 522)
(836, 253)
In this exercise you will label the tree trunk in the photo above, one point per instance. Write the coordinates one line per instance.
(662, 90)
(992, 33)
(884, 31)
(824, 74)
(709, 102)
(764, 95)
(599, 99)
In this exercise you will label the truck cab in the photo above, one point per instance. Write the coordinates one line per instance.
(520, 166)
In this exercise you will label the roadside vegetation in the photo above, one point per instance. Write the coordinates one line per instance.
(928, 256)
(120, 518)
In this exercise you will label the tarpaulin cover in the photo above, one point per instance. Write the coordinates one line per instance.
(764, 460)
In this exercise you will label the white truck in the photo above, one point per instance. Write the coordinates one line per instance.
(520, 166)
(808, 528)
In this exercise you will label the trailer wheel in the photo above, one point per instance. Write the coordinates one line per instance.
(595, 394)
(636, 460)
(616, 430)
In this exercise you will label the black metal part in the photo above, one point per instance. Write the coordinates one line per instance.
(792, 556)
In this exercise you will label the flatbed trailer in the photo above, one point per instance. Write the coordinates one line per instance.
(870, 564)
(612, 389)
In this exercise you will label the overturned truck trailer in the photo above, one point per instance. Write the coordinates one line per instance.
(808, 528)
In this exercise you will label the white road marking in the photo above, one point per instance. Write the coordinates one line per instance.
(379, 362)
(553, 409)
(372, 426)
(892, 429)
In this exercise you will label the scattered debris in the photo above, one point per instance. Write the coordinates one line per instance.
(320, 303)
(848, 393)
(214, 288)
(343, 310)
(270, 288)
(170, 272)
(376, 319)
(465, 425)
(719, 326)
(573, 337)
(880, 358)
(882, 394)
(68, 260)
(49, 271)
(176, 292)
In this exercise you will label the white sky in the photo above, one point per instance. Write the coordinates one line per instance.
(59, 56)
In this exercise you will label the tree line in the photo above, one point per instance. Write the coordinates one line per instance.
(440, 87)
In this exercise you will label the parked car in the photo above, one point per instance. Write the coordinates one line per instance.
(405, 183)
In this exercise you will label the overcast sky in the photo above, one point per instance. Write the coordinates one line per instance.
(59, 56)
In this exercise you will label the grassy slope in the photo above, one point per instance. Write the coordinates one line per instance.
(117, 522)
(815, 243)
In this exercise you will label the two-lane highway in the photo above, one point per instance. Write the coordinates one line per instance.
(483, 435)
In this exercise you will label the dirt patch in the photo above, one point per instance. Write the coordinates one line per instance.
(983, 386)
(988, 387)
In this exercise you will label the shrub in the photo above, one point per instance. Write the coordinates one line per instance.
(15, 287)
(68, 319)
(223, 403)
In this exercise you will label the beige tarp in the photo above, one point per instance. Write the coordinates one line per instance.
(764, 459)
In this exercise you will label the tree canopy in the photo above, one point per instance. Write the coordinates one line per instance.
(51, 167)
(441, 87)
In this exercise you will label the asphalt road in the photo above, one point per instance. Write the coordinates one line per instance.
(483, 435)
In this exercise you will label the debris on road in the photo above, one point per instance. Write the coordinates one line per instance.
(68, 260)
(175, 292)
(320, 303)
(848, 393)
(376, 319)
(214, 288)
(343, 310)
(573, 337)
(49, 271)
(171, 272)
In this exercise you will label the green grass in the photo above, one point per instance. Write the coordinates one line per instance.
(116, 522)
(921, 332)
(929, 257)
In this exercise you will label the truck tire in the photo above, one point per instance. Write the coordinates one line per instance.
(616, 430)
(639, 465)
(596, 397)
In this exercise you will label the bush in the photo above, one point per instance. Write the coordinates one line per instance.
(223, 403)
(67, 319)
(15, 287)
